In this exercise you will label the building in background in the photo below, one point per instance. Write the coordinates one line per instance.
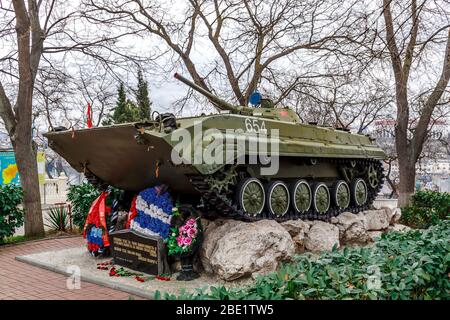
(433, 170)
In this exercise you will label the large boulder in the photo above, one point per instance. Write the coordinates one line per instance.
(374, 234)
(322, 236)
(295, 227)
(346, 219)
(298, 230)
(352, 229)
(393, 214)
(356, 234)
(399, 228)
(396, 215)
(213, 233)
(376, 220)
(233, 249)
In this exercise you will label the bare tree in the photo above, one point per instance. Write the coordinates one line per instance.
(352, 102)
(17, 118)
(52, 90)
(251, 42)
(405, 49)
(33, 31)
(98, 89)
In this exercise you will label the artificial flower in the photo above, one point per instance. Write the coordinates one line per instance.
(192, 232)
(187, 241)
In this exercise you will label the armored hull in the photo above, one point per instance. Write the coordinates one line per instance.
(321, 171)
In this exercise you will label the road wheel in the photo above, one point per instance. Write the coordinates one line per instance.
(359, 191)
(251, 196)
(277, 198)
(341, 194)
(321, 198)
(301, 196)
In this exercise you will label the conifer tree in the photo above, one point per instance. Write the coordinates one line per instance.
(142, 99)
(125, 110)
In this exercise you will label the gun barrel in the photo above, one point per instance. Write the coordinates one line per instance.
(219, 103)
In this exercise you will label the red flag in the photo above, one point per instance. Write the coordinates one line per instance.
(89, 116)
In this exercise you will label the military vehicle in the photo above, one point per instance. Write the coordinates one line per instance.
(322, 172)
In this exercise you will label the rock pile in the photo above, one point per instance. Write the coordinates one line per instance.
(234, 249)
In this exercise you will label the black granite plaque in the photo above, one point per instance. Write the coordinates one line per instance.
(137, 251)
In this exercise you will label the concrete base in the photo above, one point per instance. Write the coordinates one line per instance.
(65, 261)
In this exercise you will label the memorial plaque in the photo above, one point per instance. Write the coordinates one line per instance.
(137, 251)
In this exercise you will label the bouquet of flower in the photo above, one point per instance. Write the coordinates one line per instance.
(183, 239)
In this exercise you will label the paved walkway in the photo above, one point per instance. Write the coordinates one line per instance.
(22, 281)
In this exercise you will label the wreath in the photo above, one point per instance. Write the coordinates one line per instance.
(186, 238)
(95, 229)
(151, 213)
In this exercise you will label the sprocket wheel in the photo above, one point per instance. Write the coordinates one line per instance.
(372, 176)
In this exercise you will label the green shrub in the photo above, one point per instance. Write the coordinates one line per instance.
(81, 198)
(427, 209)
(11, 217)
(14, 239)
(58, 218)
(412, 265)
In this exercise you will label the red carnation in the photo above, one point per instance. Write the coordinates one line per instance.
(162, 278)
(112, 272)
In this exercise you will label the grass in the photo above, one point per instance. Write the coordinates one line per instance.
(48, 234)
(14, 239)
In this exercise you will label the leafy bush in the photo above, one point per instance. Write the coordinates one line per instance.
(14, 239)
(11, 217)
(427, 209)
(58, 218)
(412, 265)
(81, 197)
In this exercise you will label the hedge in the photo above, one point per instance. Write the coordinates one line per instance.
(411, 265)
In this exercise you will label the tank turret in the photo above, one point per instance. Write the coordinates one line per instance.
(267, 108)
(216, 101)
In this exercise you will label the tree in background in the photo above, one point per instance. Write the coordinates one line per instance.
(124, 111)
(142, 99)
(34, 35)
(414, 113)
(17, 115)
(250, 40)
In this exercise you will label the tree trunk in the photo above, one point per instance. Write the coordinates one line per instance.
(27, 165)
(407, 185)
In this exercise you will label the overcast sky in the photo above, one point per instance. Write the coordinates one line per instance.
(164, 89)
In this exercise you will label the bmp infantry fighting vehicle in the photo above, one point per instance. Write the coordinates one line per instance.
(320, 171)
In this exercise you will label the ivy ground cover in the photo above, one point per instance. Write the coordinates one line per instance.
(412, 265)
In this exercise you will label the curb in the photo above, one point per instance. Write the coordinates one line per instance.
(87, 278)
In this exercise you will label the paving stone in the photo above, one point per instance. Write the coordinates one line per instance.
(20, 281)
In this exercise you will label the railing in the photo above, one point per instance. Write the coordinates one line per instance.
(383, 202)
(54, 190)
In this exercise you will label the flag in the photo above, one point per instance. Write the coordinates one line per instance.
(89, 116)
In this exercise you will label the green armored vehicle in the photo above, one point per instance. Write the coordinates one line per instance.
(246, 163)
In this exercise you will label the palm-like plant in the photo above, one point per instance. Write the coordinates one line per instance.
(58, 218)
